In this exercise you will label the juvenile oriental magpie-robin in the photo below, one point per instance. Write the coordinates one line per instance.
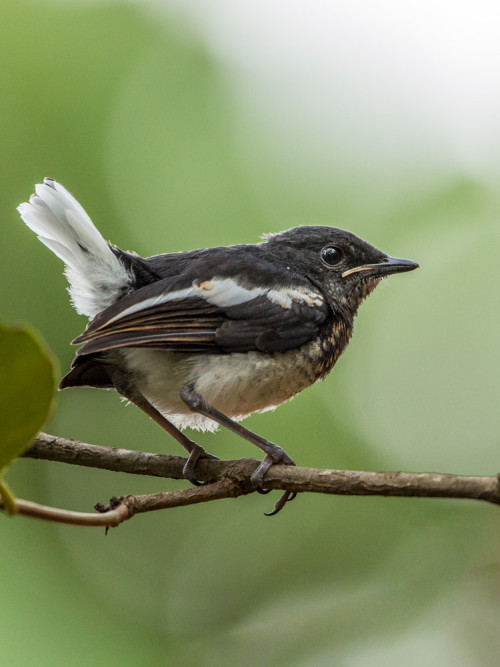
(206, 337)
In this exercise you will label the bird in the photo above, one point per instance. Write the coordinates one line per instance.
(204, 338)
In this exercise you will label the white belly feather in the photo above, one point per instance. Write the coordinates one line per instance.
(236, 384)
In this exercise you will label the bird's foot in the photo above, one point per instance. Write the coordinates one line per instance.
(279, 456)
(195, 455)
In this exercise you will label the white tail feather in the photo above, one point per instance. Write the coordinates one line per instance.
(95, 274)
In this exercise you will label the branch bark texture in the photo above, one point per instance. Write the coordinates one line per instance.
(232, 478)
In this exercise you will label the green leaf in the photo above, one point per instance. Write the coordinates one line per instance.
(27, 384)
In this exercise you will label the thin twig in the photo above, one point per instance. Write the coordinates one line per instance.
(122, 509)
(110, 519)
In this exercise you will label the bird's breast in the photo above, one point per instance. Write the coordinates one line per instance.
(237, 384)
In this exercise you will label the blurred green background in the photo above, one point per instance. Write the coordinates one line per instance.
(172, 139)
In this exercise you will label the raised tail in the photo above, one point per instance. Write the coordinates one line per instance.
(96, 276)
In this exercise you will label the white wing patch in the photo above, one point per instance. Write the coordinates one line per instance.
(286, 296)
(225, 292)
(153, 301)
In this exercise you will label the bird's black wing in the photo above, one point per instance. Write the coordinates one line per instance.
(214, 316)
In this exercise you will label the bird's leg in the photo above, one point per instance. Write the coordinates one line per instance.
(126, 388)
(274, 454)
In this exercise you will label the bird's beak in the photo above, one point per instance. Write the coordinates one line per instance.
(384, 268)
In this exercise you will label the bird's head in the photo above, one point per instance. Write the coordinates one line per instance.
(342, 265)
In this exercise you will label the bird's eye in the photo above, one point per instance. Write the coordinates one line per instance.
(331, 255)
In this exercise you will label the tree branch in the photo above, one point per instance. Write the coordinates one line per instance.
(230, 479)
(233, 477)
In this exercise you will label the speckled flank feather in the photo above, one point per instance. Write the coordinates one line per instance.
(96, 276)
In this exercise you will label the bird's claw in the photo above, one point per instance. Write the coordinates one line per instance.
(195, 455)
(257, 479)
(281, 502)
